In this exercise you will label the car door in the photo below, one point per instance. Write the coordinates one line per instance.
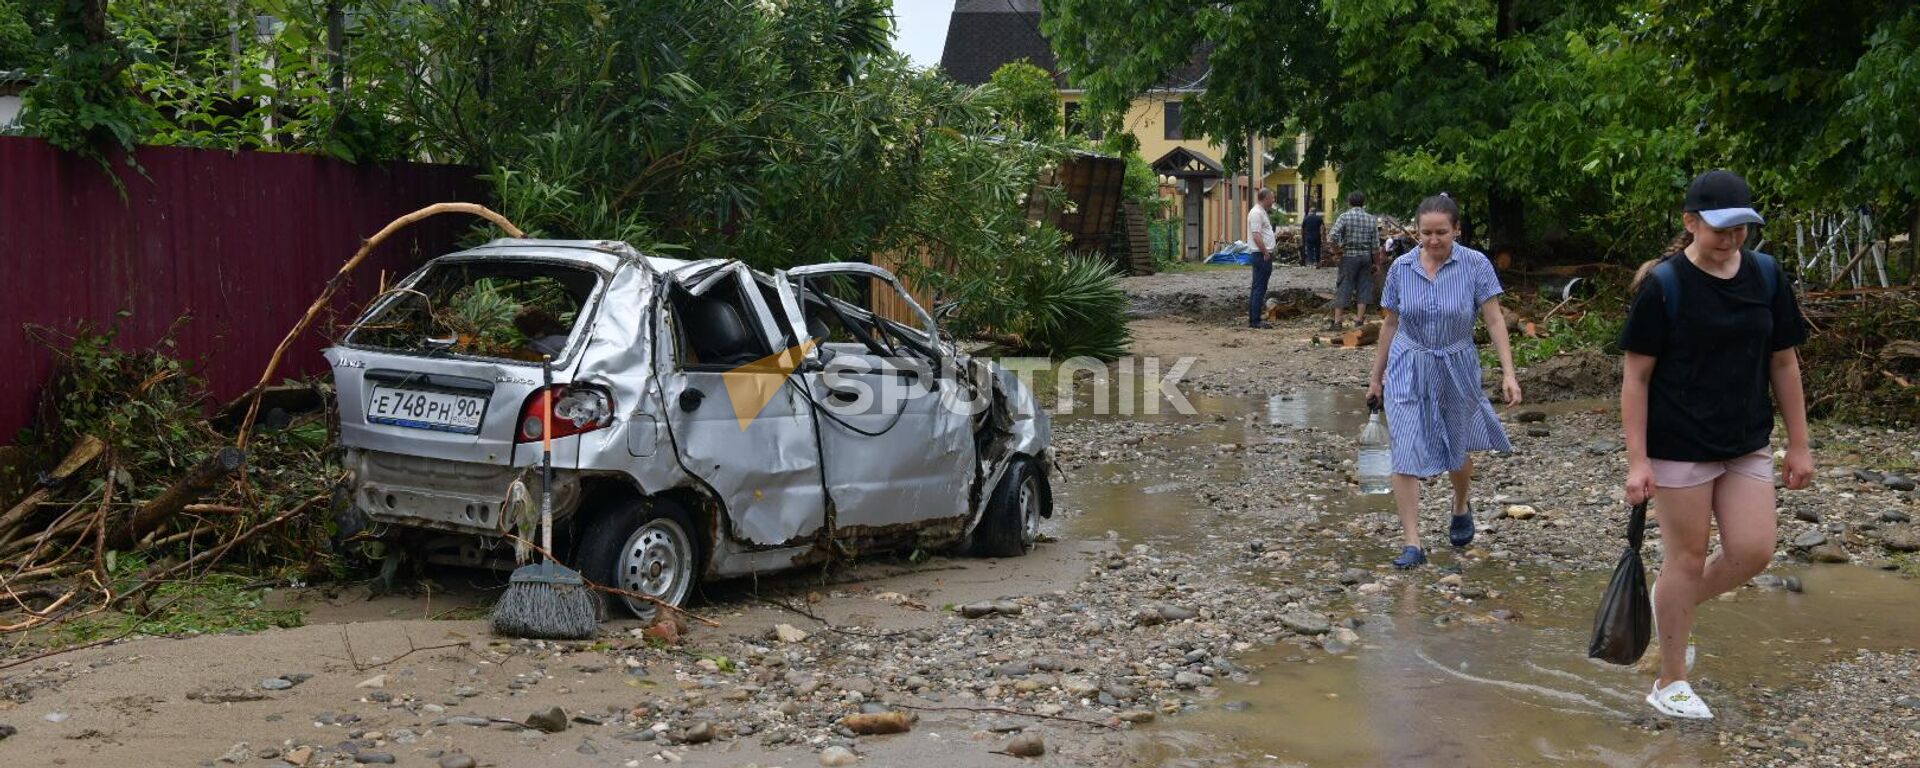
(895, 451)
(736, 420)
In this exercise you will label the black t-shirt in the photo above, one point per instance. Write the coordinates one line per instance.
(1711, 398)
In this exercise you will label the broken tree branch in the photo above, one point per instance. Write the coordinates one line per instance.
(188, 489)
(333, 284)
(1005, 711)
(82, 454)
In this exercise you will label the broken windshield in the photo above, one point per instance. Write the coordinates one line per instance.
(511, 310)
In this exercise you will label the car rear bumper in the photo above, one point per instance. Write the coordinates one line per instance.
(445, 495)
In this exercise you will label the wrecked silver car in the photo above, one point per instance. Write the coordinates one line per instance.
(709, 420)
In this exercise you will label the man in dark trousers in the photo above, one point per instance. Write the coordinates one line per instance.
(1260, 236)
(1310, 237)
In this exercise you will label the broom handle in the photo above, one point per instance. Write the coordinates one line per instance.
(546, 454)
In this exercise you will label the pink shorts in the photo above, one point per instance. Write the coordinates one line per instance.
(1686, 474)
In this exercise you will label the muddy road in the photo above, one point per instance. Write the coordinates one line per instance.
(1211, 592)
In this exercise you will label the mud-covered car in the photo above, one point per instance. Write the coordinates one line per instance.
(709, 420)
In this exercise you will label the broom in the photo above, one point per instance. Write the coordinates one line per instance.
(546, 599)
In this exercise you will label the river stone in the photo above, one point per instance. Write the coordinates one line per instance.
(456, 760)
(1147, 617)
(1176, 613)
(1828, 553)
(276, 683)
(238, 753)
(1894, 516)
(1353, 576)
(1867, 476)
(1079, 687)
(1910, 702)
(700, 733)
(1810, 539)
(1807, 515)
(373, 758)
(1531, 417)
(1539, 431)
(1136, 716)
(1026, 745)
(551, 721)
(1902, 541)
(836, 755)
(788, 633)
(1305, 622)
(974, 611)
(1898, 482)
(1190, 680)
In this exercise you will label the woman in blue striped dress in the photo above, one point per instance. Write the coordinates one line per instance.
(1429, 370)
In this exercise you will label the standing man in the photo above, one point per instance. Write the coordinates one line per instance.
(1356, 241)
(1310, 237)
(1260, 236)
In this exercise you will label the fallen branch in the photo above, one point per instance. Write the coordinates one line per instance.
(1005, 711)
(354, 659)
(340, 278)
(82, 454)
(197, 482)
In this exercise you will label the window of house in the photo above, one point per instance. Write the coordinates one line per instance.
(1171, 120)
(1289, 198)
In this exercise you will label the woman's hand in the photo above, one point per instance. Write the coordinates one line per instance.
(1373, 395)
(1510, 386)
(1639, 481)
(1799, 468)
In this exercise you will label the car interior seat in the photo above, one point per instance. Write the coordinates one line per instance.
(719, 335)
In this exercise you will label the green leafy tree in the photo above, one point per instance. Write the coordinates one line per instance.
(1025, 100)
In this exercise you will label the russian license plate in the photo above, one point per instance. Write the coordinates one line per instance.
(421, 409)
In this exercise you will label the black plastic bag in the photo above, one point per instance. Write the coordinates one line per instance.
(1624, 624)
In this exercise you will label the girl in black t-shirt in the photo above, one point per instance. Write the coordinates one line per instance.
(1709, 346)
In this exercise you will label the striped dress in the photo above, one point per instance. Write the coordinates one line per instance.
(1435, 409)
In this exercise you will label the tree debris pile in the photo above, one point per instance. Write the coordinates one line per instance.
(138, 493)
(1861, 363)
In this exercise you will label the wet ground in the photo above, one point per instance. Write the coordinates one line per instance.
(1152, 628)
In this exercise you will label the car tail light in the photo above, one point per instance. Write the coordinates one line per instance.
(575, 410)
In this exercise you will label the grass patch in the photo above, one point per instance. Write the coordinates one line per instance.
(1908, 564)
(218, 603)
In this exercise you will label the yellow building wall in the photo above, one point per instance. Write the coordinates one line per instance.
(1145, 119)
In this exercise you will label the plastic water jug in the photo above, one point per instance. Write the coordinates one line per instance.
(1376, 457)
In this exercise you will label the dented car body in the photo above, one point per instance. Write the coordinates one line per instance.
(710, 420)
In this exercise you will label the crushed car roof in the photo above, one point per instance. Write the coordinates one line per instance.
(605, 255)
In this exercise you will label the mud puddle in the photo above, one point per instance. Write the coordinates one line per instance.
(1438, 680)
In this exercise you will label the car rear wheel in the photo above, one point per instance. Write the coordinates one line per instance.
(647, 548)
(1011, 524)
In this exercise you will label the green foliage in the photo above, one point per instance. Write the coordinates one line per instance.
(1592, 330)
(1164, 237)
(1024, 99)
(1074, 307)
(1568, 124)
(216, 603)
(134, 400)
(205, 73)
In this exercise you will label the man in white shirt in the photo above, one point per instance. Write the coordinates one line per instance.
(1260, 236)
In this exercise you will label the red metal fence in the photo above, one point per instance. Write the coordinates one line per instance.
(240, 242)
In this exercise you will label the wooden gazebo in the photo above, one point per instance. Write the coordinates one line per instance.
(1198, 172)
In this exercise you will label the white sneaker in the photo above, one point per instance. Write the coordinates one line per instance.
(1679, 700)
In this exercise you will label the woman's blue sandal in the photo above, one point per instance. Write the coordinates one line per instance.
(1410, 557)
(1460, 532)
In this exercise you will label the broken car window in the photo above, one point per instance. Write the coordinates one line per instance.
(515, 311)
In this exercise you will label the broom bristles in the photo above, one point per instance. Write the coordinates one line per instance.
(547, 602)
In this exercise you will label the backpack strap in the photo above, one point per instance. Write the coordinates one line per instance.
(1769, 272)
(1669, 288)
(1670, 281)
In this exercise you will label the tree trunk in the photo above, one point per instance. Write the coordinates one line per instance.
(198, 481)
(1507, 221)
